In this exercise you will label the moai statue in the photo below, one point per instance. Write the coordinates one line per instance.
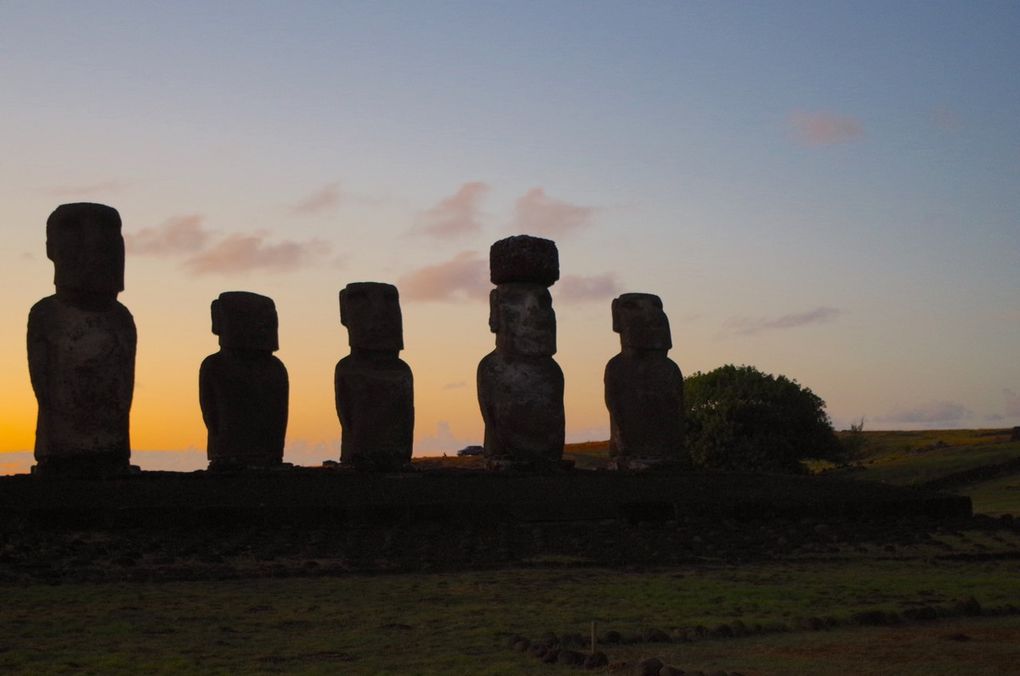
(644, 388)
(81, 348)
(374, 387)
(243, 388)
(520, 386)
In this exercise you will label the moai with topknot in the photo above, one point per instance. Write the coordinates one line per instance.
(243, 388)
(81, 348)
(374, 387)
(644, 388)
(520, 386)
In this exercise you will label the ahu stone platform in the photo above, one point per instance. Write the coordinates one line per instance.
(312, 498)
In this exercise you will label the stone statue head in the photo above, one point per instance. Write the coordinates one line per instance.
(246, 321)
(84, 242)
(371, 313)
(641, 323)
(522, 317)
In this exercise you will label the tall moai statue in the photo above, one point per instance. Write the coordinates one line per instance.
(520, 386)
(243, 388)
(81, 348)
(644, 388)
(374, 387)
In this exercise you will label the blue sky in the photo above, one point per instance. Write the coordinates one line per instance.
(825, 190)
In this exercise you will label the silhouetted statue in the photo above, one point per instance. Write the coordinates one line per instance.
(520, 386)
(644, 387)
(81, 348)
(374, 387)
(243, 388)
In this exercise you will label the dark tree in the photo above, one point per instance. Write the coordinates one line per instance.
(742, 419)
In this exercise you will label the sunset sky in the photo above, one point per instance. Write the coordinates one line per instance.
(826, 190)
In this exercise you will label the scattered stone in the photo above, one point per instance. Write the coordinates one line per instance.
(374, 387)
(81, 348)
(956, 637)
(922, 614)
(570, 657)
(722, 631)
(653, 635)
(739, 628)
(648, 667)
(875, 618)
(551, 655)
(813, 623)
(574, 639)
(631, 638)
(611, 637)
(596, 660)
(243, 388)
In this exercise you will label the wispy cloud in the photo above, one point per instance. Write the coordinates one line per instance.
(458, 214)
(538, 214)
(177, 235)
(821, 128)
(463, 276)
(579, 289)
(1012, 409)
(746, 326)
(325, 198)
(928, 412)
(85, 189)
(245, 253)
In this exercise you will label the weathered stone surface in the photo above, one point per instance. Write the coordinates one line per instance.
(243, 388)
(648, 667)
(520, 386)
(374, 387)
(81, 348)
(644, 387)
(523, 258)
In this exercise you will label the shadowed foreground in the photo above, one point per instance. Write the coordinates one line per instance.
(459, 623)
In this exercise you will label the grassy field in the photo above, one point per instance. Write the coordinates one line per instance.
(915, 458)
(459, 623)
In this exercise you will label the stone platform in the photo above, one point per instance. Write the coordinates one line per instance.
(306, 497)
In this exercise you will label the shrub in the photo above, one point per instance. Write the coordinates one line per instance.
(739, 418)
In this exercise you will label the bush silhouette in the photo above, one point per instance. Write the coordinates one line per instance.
(742, 419)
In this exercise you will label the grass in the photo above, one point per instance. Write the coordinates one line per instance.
(440, 624)
(996, 496)
(918, 457)
(942, 649)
